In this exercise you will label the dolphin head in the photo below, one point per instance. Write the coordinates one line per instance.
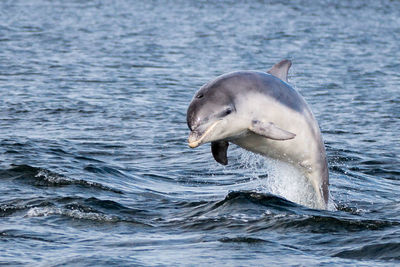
(210, 113)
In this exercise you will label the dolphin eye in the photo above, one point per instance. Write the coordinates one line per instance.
(228, 111)
(199, 95)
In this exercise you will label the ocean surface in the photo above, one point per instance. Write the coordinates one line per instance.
(95, 169)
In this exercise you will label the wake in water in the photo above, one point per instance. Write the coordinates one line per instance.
(280, 178)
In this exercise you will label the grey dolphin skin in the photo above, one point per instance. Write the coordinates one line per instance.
(260, 112)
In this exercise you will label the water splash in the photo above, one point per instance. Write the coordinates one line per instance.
(280, 178)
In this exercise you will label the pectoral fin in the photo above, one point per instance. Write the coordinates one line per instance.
(270, 130)
(219, 150)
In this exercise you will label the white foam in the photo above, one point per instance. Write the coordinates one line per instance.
(75, 214)
(282, 179)
(50, 177)
(42, 212)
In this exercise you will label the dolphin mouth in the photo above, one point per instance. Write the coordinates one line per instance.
(196, 138)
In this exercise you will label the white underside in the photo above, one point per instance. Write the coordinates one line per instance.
(305, 153)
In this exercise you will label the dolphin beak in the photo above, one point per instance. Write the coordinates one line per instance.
(195, 138)
(193, 144)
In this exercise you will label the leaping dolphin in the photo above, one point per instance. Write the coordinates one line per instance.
(262, 113)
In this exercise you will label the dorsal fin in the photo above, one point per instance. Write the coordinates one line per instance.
(281, 69)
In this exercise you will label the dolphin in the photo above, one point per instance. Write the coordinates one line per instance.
(262, 113)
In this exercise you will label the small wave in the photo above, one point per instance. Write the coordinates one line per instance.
(259, 212)
(329, 224)
(18, 205)
(103, 170)
(75, 214)
(264, 199)
(385, 251)
(43, 177)
(240, 208)
(93, 209)
(242, 239)
(16, 234)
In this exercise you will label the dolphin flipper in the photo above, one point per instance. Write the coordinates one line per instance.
(270, 130)
(219, 150)
(281, 69)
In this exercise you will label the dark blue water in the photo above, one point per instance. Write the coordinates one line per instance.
(94, 164)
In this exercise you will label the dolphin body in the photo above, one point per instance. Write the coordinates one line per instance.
(260, 112)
